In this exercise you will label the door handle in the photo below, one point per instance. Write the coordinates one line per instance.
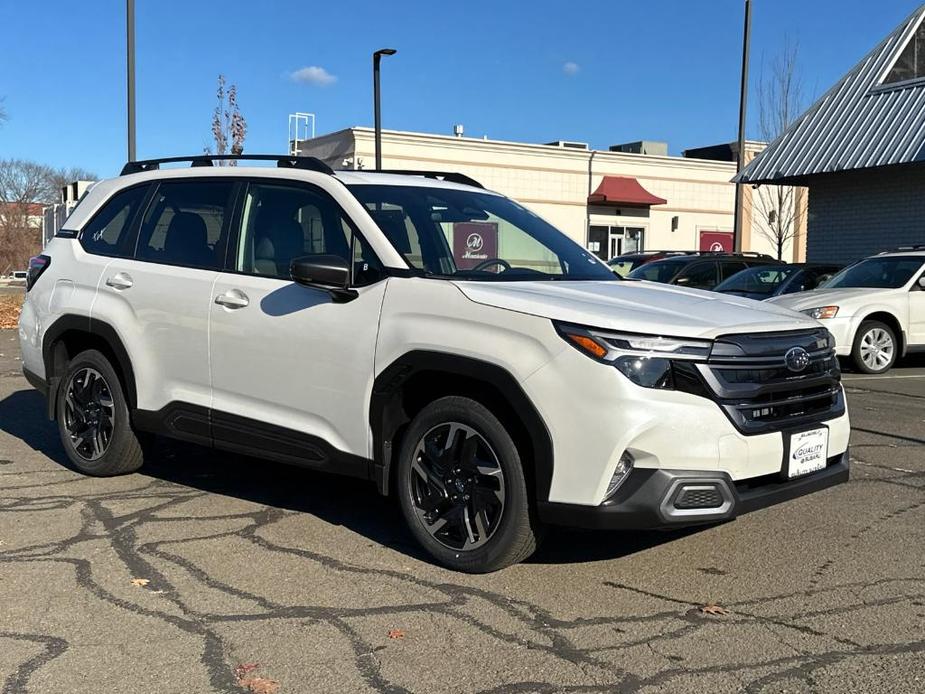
(121, 280)
(233, 298)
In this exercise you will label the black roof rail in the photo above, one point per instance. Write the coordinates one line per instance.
(449, 176)
(900, 249)
(283, 161)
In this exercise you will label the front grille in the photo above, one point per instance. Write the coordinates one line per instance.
(750, 379)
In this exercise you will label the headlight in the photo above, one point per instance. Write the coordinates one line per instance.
(644, 359)
(821, 312)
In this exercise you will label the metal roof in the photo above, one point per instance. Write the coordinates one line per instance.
(859, 123)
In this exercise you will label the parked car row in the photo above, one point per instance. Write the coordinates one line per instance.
(875, 308)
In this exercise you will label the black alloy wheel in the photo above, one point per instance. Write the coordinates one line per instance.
(462, 489)
(89, 413)
(94, 420)
(457, 486)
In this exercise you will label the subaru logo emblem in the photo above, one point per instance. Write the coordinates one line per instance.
(797, 359)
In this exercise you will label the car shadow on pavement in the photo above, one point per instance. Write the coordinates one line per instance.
(336, 500)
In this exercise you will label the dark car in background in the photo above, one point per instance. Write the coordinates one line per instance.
(700, 270)
(776, 280)
(622, 265)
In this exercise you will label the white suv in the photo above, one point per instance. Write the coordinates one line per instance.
(418, 331)
(874, 308)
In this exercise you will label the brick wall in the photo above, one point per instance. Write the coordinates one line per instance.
(858, 213)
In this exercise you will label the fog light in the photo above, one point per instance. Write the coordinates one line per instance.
(620, 474)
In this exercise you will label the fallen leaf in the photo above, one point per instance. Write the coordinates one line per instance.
(396, 634)
(714, 609)
(244, 668)
(260, 685)
(142, 582)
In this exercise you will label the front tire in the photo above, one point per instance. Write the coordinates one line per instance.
(875, 347)
(93, 418)
(462, 489)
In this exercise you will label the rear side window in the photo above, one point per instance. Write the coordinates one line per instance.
(187, 224)
(109, 230)
(699, 276)
(728, 268)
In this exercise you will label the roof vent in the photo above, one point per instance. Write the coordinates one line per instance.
(643, 147)
(567, 144)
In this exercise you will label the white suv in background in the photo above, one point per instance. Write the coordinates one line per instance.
(438, 339)
(874, 308)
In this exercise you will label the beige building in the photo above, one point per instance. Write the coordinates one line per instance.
(610, 201)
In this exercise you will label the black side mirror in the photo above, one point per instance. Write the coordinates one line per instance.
(328, 272)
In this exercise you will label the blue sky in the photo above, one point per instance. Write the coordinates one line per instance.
(660, 69)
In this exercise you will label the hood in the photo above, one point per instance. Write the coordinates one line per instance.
(824, 297)
(638, 307)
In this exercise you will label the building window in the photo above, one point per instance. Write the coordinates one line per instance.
(608, 242)
(911, 62)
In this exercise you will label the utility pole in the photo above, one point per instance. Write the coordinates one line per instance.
(377, 116)
(743, 99)
(130, 74)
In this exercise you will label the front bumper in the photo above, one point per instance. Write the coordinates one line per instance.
(649, 498)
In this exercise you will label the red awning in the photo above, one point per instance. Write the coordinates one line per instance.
(623, 190)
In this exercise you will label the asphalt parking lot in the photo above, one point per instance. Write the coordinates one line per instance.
(210, 572)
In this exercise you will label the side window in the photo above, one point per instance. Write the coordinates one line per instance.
(728, 268)
(282, 222)
(699, 276)
(186, 224)
(107, 233)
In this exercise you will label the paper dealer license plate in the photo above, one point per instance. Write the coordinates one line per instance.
(808, 452)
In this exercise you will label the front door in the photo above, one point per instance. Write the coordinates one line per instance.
(292, 370)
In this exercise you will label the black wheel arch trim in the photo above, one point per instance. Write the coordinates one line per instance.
(387, 414)
(93, 327)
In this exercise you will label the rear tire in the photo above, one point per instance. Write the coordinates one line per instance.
(462, 489)
(93, 418)
(875, 347)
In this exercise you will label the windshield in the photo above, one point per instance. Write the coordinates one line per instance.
(889, 272)
(475, 236)
(757, 280)
(623, 266)
(658, 270)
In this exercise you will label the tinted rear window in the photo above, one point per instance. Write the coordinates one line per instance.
(108, 232)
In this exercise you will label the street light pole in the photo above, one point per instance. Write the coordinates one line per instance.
(130, 70)
(743, 99)
(377, 57)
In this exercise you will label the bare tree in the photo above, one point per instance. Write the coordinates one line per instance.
(25, 188)
(61, 177)
(780, 210)
(3, 116)
(228, 124)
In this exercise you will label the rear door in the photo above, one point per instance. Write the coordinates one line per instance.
(728, 268)
(292, 371)
(159, 299)
(108, 235)
(698, 275)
